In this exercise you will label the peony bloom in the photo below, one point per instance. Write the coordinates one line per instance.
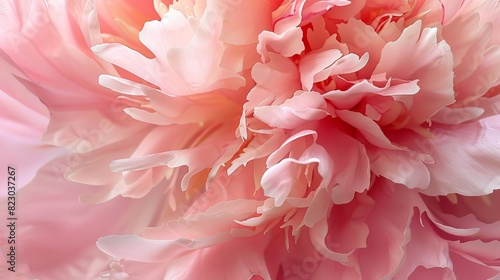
(233, 139)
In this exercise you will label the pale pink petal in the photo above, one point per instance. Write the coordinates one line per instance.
(319, 66)
(467, 159)
(183, 236)
(211, 155)
(457, 115)
(350, 97)
(361, 38)
(368, 128)
(422, 272)
(475, 51)
(409, 169)
(286, 147)
(484, 78)
(171, 109)
(269, 91)
(23, 119)
(59, 219)
(314, 64)
(174, 30)
(429, 59)
(294, 112)
(287, 44)
(450, 9)
(259, 147)
(243, 20)
(197, 68)
(213, 262)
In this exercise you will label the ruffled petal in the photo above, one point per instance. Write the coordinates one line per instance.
(429, 59)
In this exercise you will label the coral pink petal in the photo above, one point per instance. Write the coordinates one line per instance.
(400, 167)
(294, 112)
(350, 177)
(425, 249)
(174, 30)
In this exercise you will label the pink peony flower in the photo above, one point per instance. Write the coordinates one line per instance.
(233, 139)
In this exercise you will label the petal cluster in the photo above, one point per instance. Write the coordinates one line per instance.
(235, 139)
